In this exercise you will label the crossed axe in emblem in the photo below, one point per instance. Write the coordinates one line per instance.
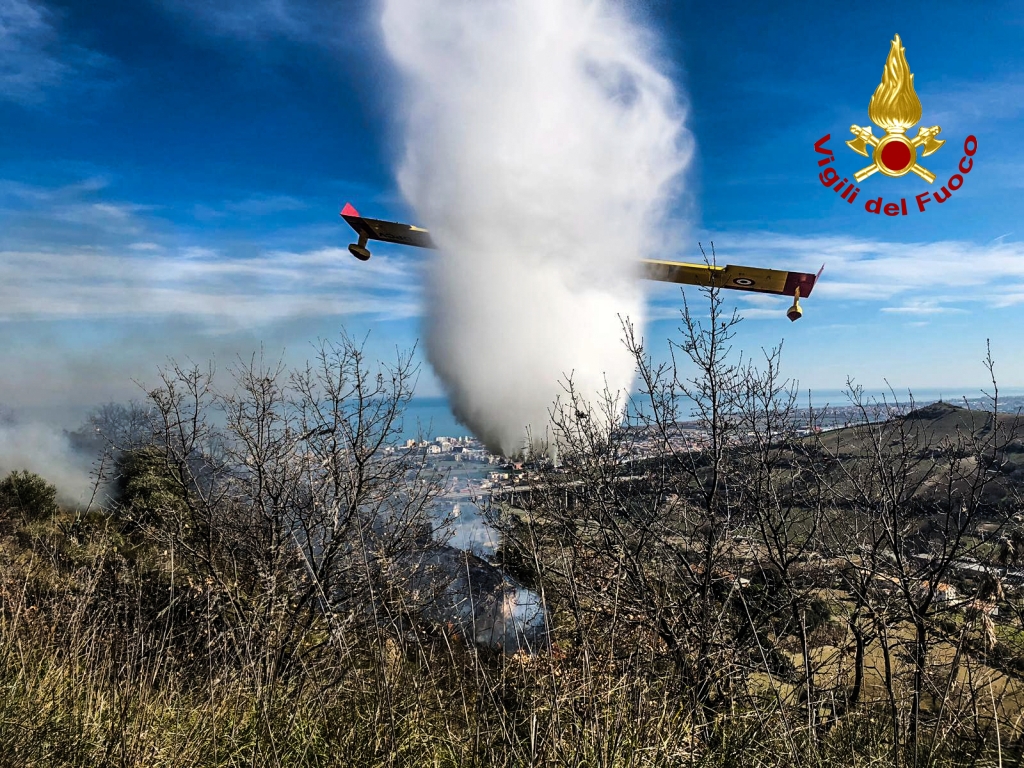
(925, 137)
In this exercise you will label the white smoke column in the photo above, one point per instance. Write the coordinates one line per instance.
(542, 146)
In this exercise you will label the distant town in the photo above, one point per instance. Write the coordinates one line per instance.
(474, 472)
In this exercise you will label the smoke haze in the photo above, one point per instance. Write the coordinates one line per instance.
(541, 147)
(47, 452)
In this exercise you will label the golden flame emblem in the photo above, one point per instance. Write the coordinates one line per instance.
(894, 108)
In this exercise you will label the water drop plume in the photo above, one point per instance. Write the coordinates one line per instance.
(542, 146)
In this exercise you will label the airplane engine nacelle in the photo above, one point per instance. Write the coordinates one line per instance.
(795, 313)
(361, 252)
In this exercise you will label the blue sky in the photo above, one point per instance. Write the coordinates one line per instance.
(171, 176)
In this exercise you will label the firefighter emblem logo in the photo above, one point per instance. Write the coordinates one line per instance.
(895, 108)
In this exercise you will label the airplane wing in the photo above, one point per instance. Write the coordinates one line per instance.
(780, 282)
(386, 231)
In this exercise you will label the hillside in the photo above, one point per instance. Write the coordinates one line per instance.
(937, 444)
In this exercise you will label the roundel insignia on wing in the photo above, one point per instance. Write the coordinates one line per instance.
(744, 281)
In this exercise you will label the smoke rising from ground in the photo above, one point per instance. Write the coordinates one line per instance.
(49, 453)
(541, 147)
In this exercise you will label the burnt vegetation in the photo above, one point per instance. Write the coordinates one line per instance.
(259, 581)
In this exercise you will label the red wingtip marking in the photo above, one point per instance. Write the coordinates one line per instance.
(349, 210)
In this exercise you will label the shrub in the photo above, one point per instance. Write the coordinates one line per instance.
(28, 496)
(146, 488)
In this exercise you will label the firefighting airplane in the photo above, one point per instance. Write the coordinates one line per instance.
(779, 282)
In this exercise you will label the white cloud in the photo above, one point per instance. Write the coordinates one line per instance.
(27, 66)
(73, 252)
(926, 307)
(861, 268)
(755, 313)
(966, 104)
(255, 19)
(253, 206)
(258, 21)
(203, 285)
(264, 205)
(112, 218)
(33, 57)
(1007, 296)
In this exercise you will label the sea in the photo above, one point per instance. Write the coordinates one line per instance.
(430, 417)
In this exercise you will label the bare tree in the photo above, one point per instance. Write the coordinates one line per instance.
(907, 500)
(632, 536)
(290, 501)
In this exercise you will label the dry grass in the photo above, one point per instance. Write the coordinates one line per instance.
(80, 686)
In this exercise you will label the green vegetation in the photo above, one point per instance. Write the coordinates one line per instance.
(27, 497)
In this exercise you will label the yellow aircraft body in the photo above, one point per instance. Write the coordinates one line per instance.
(776, 281)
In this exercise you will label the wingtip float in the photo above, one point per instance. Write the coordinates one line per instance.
(779, 282)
